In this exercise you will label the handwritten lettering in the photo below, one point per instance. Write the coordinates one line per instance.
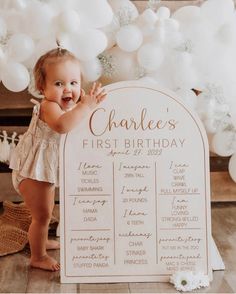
(91, 238)
(91, 256)
(180, 239)
(177, 165)
(179, 204)
(134, 190)
(131, 212)
(142, 123)
(132, 234)
(180, 257)
(87, 201)
(132, 167)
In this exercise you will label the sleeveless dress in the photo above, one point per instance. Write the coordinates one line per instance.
(36, 156)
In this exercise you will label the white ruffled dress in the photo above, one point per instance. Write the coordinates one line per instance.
(36, 156)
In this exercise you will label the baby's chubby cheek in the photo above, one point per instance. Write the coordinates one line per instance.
(76, 100)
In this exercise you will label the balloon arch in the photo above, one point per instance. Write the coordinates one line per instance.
(192, 48)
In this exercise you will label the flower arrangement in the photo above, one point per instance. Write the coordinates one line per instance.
(188, 281)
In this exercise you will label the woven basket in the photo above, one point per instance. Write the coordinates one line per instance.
(14, 225)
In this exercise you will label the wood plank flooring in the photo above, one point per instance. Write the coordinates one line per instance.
(17, 277)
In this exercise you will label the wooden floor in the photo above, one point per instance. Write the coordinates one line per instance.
(17, 277)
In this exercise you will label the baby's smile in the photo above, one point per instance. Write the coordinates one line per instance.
(66, 99)
(67, 102)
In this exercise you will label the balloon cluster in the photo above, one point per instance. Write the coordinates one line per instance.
(29, 28)
(192, 48)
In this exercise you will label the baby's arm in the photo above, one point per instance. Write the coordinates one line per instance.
(63, 122)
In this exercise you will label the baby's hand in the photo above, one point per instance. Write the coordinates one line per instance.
(95, 96)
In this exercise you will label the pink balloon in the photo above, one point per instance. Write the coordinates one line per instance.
(118, 65)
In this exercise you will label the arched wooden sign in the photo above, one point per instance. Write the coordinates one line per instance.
(134, 190)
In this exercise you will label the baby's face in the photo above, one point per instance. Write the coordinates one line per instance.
(63, 83)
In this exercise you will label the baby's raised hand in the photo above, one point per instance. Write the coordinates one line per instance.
(95, 96)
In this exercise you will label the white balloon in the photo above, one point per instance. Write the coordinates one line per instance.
(110, 32)
(184, 73)
(68, 41)
(221, 110)
(89, 44)
(146, 29)
(41, 47)
(146, 22)
(227, 32)
(163, 75)
(125, 11)
(32, 89)
(187, 14)
(163, 12)
(211, 125)
(173, 36)
(224, 123)
(218, 11)
(149, 80)
(224, 143)
(21, 4)
(205, 107)
(20, 47)
(61, 5)
(149, 16)
(150, 56)
(183, 58)
(13, 4)
(188, 97)
(129, 38)
(233, 113)
(15, 77)
(194, 27)
(91, 70)
(38, 20)
(159, 34)
(14, 20)
(3, 28)
(94, 13)
(171, 25)
(232, 167)
(214, 125)
(68, 21)
(3, 59)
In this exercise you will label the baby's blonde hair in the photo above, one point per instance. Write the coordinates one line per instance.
(54, 55)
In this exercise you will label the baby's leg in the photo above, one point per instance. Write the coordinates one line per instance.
(52, 244)
(39, 198)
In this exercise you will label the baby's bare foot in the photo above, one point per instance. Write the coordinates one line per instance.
(46, 262)
(52, 244)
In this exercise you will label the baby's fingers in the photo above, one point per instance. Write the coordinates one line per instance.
(95, 89)
(91, 92)
(101, 96)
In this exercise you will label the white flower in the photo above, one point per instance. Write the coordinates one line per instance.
(188, 281)
(202, 280)
(183, 281)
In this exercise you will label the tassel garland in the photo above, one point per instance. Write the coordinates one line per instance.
(7, 148)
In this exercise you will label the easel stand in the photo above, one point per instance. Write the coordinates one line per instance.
(216, 259)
